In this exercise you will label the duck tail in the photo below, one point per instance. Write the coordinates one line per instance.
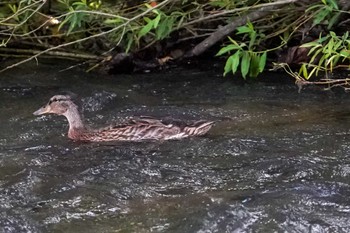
(198, 128)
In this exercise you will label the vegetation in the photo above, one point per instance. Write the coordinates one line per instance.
(304, 37)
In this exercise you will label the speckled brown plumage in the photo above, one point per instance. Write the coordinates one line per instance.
(143, 128)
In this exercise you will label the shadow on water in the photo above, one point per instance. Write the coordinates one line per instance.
(276, 161)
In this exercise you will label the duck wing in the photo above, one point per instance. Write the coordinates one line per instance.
(143, 128)
(184, 129)
(194, 128)
(146, 120)
(149, 128)
(198, 128)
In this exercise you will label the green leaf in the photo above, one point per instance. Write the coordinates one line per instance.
(227, 49)
(220, 4)
(312, 71)
(345, 53)
(130, 42)
(319, 65)
(311, 8)
(243, 29)
(331, 62)
(73, 23)
(235, 61)
(78, 4)
(314, 56)
(303, 70)
(12, 7)
(316, 48)
(67, 19)
(333, 20)
(228, 65)
(321, 16)
(330, 46)
(311, 44)
(245, 64)
(252, 39)
(334, 4)
(156, 21)
(233, 41)
(335, 61)
(333, 34)
(250, 25)
(162, 30)
(113, 21)
(254, 65)
(147, 19)
(165, 27)
(262, 62)
(323, 39)
(337, 45)
(146, 29)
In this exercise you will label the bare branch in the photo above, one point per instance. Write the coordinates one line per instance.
(229, 28)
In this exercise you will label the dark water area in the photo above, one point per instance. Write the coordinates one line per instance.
(276, 160)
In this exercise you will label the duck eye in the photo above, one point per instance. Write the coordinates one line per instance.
(53, 100)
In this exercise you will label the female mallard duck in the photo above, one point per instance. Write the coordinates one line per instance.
(136, 130)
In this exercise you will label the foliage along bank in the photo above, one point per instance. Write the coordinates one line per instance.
(304, 37)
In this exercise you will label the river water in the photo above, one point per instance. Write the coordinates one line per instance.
(276, 160)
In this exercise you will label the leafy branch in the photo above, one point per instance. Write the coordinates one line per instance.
(126, 23)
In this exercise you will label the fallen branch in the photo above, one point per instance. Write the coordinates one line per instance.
(11, 51)
(229, 28)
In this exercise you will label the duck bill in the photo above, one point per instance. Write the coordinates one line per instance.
(42, 110)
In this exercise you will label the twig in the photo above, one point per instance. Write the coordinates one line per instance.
(192, 37)
(98, 64)
(300, 81)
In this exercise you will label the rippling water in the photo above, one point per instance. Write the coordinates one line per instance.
(276, 161)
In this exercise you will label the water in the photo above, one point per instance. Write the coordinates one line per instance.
(276, 161)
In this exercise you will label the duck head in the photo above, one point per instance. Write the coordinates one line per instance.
(58, 104)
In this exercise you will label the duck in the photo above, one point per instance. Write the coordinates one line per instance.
(136, 129)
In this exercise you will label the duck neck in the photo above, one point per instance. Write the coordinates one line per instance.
(76, 125)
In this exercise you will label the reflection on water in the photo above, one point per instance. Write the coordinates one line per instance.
(275, 161)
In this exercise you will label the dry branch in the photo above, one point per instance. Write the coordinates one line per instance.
(229, 28)
(61, 54)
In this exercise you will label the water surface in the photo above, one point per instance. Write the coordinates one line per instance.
(276, 161)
